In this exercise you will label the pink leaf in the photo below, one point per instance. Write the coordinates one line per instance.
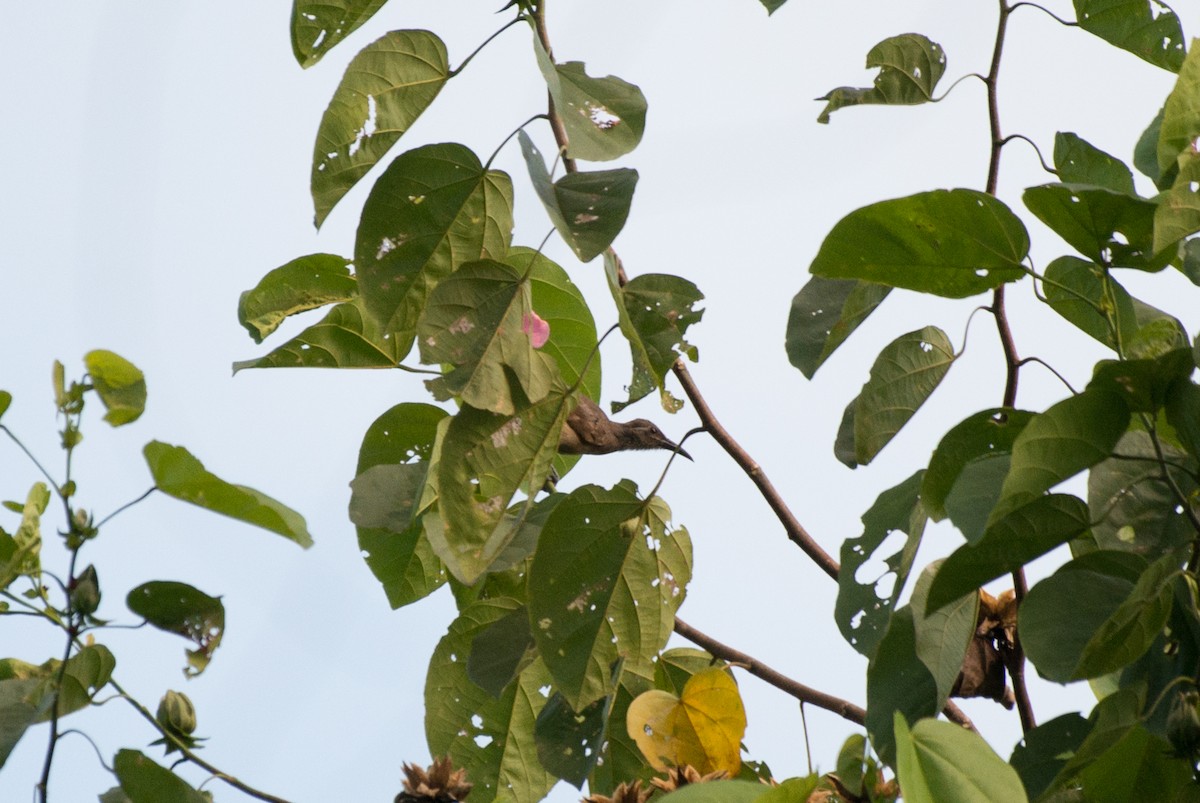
(537, 329)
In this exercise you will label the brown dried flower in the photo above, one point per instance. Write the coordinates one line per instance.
(624, 793)
(440, 783)
(687, 774)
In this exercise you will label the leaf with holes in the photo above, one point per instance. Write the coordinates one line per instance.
(177, 473)
(347, 337)
(904, 375)
(1080, 162)
(824, 313)
(659, 308)
(434, 208)
(604, 117)
(303, 284)
(1180, 116)
(186, 611)
(1148, 29)
(318, 25)
(1105, 226)
(951, 243)
(910, 65)
(492, 739)
(606, 580)
(385, 89)
(1178, 212)
(864, 603)
(702, 727)
(569, 744)
(645, 377)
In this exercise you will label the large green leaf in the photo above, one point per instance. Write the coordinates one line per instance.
(1043, 752)
(569, 743)
(605, 582)
(144, 781)
(185, 611)
(897, 683)
(1180, 116)
(385, 89)
(942, 636)
(1087, 296)
(318, 25)
(1178, 212)
(952, 243)
(347, 337)
(1070, 436)
(988, 433)
(492, 739)
(1008, 544)
(1183, 413)
(18, 707)
(910, 65)
(177, 473)
(589, 209)
(939, 761)
(865, 604)
(1080, 162)
(478, 321)
(400, 442)
(303, 284)
(1060, 615)
(31, 694)
(1106, 226)
(904, 375)
(120, 385)
(1135, 508)
(486, 458)
(604, 117)
(434, 208)
(1148, 29)
(824, 313)
(1138, 767)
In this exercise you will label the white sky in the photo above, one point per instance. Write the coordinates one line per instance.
(157, 163)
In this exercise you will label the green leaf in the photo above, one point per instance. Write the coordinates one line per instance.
(5, 401)
(988, 433)
(177, 473)
(675, 667)
(952, 243)
(1080, 162)
(1139, 766)
(385, 89)
(1148, 29)
(720, 792)
(318, 25)
(31, 694)
(120, 385)
(942, 636)
(303, 284)
(1189, 266)
(824, 313)
(1008, 544)
(1181, 114)
(20, 553)
(1070, 436)
(1183, 413)
(940, 761)
(772, 5)
(1107, 227)
(400, 440)
(605, 582)
(186, 611)
(622, 761)
(1135, 508)
(1059, 616)
(1143, 383)
(433, 209)
(568, 743)
(1133, 626)
(500, 652)
(18, 708)
(604, 117)
(347, 337)
(478, 321)
(1178, 212)
(144, 781)
(910, 65)
(660, 309)
(1145, 155)
(646, 376)
(1081, 291)
(492, 739)
(865, 603)
(904, 375)
(897, 683)
(486, 458)
(1041, 755)
(588, 209)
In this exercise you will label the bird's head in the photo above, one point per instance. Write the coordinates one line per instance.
(642, 434)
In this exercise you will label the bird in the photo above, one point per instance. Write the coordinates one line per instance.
(588, 430)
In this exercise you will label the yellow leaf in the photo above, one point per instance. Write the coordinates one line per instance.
(703, 727)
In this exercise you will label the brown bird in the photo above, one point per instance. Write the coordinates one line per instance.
(589, 431)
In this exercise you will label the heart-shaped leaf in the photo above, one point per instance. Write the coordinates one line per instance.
(702, 727)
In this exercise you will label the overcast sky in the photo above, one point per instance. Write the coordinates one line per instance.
(156, 165)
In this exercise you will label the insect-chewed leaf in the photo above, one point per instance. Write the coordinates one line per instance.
(1178, 212)
(952, 243)
(1080, 162)
(1149, 29)
(645, 377)
(824, 313)
(120, 385)
(186, 611)
(318, 25)
(910, 65)
(570, 744)
(604, 117)
(660, 309)
(434, 208)
(1104, 225)
(385, 89)
(303, 284)
(938, 761)
(347, 337)
(702, 727)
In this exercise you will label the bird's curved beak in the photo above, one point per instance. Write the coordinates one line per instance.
(674, 447)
